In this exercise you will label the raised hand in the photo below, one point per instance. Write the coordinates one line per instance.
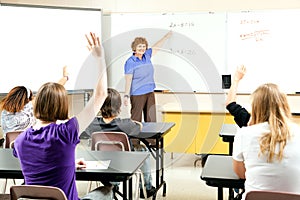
(239, 73)
(65, 71)
(94, 45)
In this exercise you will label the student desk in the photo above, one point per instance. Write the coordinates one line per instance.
(122, 166)
(227, 133)
(218, 172)
(157, 131)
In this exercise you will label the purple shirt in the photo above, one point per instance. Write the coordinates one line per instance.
(47, 156)
(142, 73)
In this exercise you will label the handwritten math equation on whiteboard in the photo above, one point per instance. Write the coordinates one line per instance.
(257, 33)
(181, 24)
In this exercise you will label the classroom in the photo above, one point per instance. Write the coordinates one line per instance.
(189, 89)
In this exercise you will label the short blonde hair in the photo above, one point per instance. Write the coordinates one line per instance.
(51, 103)
(137, 41)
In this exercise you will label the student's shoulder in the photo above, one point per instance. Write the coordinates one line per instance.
(255, 129)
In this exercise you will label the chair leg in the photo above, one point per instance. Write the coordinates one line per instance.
(89, 186)
(4, 186)
(141, 176)
(137, 189)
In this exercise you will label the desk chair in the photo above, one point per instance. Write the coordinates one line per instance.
(270, 195)
(36, 192)
(10, 138)
(9, 143)
(115, 141)
(110, 141)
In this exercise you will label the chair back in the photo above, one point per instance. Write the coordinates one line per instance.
(10, 138)
(36, 192)
(110, 141)
(270, 195)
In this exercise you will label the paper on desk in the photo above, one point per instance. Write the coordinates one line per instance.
(101, 164)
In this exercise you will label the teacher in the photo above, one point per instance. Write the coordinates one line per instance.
(139, 79)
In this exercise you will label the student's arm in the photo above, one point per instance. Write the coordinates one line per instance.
(239, 74)
(128, 80)
(65, 76)
(160, 42)
(241, 115)
(237, 154)
(239, 168)
(100, 91)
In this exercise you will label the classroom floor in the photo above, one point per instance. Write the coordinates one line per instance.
(182, 179)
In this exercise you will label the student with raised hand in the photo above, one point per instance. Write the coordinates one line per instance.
(266, 152)
(46, 151)
(17, 107)
(109, 121)
(17, 110)
(139, 79)
(241, 115)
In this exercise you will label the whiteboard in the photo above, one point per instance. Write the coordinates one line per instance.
(36, 42)
(268, 44)
(192, 60)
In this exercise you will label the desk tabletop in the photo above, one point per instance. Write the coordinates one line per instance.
(228, 130)
(122, 165)
(218, 171)
(154, 129)
(219, 166)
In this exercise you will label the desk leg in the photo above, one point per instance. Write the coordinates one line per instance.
(125, 190)
(164, 189)
(157, 162)
(162, 181)
(231, 194)
(230, 148)
(220, 193)
(130, 193)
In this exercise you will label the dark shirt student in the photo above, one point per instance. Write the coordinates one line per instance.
(240, 114)
(109, 121)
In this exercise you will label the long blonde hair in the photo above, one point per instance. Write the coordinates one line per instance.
(270, 105)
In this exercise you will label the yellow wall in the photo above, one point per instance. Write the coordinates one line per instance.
(196, 132)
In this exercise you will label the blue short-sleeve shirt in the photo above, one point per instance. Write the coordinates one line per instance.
(142, 73)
